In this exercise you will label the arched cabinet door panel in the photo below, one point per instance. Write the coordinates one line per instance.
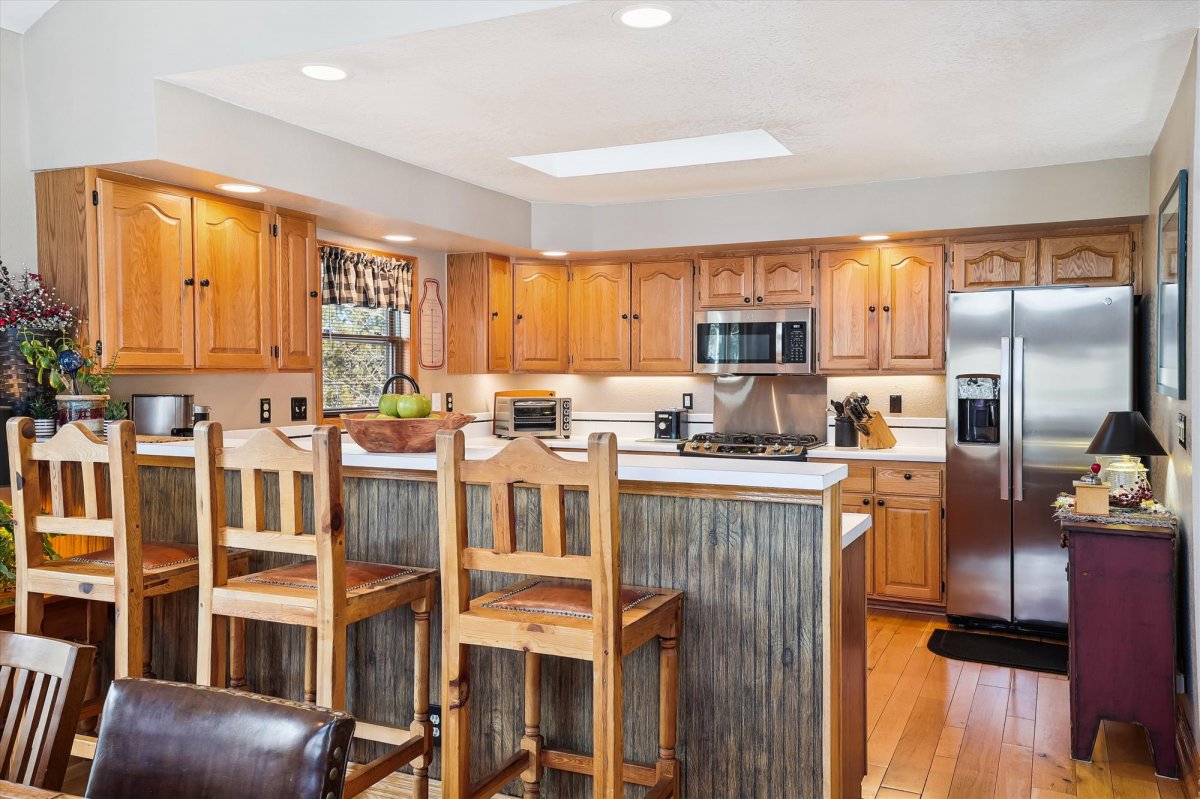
(913, 307)
(726, 282)
(599, 318)
(540, 313)
(662, 322)
(849, 310)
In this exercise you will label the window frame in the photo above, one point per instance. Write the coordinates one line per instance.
(395, 324)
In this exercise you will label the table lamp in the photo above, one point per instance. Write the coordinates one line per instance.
(1126, 435)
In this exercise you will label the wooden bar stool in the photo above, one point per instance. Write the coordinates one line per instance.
(576, 607)
(325, 594)
(128, 574)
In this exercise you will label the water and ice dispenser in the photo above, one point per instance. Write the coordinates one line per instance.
(978, 409)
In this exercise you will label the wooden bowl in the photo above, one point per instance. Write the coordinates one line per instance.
(401, 435)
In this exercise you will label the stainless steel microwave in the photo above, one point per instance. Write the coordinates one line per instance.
(540, 417)
(756, 342)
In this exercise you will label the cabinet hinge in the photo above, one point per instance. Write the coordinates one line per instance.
(275, 230)
(95, 197)
(943, 513)
(1134, 247)
(276, 350)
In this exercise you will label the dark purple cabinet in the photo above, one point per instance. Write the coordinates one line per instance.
(1122, 634)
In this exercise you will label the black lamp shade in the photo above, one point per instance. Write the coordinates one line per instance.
(1125, 433)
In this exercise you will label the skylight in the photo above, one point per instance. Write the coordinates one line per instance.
(720, 148)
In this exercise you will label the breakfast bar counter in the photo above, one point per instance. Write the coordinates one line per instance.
(772, 583)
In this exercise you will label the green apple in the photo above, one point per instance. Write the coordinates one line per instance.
(387, 404)
(413, 406)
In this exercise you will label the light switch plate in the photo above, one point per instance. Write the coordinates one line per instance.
(896, 403)
(1181, 426)
(299, 409)
(264, 410)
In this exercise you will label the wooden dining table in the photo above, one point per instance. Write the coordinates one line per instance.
(11, 790)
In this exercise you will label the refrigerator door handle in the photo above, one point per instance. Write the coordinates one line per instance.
(1018, 418)
(1005, 393)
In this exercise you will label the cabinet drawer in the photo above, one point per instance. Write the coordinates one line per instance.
(860, 481)
(856, 503)
(908, 482)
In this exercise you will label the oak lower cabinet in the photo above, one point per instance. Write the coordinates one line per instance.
(767, 279)
(599, 318)
(1076, 259)
(906, 550)
(146, 279)
(883, 308)
(233, 286)
(298, 292)
(540, 315)
(661, 326)
(479, 328)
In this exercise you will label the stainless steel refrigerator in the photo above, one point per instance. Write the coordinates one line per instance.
(1030, 375)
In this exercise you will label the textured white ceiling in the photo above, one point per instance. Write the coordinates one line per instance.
(858, 91)
(19, 15)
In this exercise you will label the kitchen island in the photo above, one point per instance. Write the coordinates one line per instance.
(767, 705)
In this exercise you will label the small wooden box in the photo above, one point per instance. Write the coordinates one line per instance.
(1091, 499)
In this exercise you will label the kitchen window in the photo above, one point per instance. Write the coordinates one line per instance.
(360, 349)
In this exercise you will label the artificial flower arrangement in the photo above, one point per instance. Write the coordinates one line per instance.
(26, 304)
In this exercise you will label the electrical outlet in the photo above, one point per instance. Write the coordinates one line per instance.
(449, 402)
(299, 409)
(687, 402)
(435, 719)
(896, 403)
(264, 410)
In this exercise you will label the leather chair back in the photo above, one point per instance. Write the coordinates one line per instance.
(182, 741)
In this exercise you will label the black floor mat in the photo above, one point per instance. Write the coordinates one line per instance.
(1000, 650)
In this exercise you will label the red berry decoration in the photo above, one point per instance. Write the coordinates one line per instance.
(1095, 468)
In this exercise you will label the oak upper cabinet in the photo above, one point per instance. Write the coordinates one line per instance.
(784, 279)
(500, 314)
(980, 265)
(726, 282)
(540, 314)
(145, 275)
(848, 316)
(1089, 260)
(234, 327)
(298, 292)
(661, 309)
(599, 318)
(912, 296)
(907, 541)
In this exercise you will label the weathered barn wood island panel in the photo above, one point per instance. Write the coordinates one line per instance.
(759, 658)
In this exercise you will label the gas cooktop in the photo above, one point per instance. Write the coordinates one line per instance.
(766, 446)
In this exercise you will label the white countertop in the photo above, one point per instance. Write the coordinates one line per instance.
(923, 454)
(642, 468)
(854, 526)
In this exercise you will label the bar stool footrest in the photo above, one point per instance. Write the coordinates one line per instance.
(578, 763)
(409, 746)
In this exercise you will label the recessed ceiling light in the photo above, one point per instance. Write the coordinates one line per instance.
(874, 237)
(554, 253)
(239, 188)
(399, 237)
(720, 148)
(644, 17)
(323, 72)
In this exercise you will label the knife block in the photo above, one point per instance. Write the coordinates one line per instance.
(878, 435)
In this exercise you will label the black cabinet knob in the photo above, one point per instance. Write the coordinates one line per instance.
(635, 316)
(495, 314)
(887, 308)
(312, 294)
(907, 476)
(205, 283)
(866, 501)
(759, 299)
(745, 299)
(189, 281)
(881, 503)
(624, 316)
(871, 309)
(520, 317)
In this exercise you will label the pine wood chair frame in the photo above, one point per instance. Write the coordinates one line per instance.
(324, 613)
(110, 509)
(42, 685)
(605, 638)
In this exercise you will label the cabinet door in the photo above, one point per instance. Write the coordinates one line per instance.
(500, 317)
(661, 307)
(726, 282)
(908, 548)
(1096, 260)
(467, 313)
(848, 316)
(862, 503)
(982, 265)
(233, 287)
(145, 263)
(913, 298)
(783, 279)
(599, 318)
(540, 317)
(299, 281)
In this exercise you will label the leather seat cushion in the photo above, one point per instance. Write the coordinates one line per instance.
(155, 555)
(561, 598)
(359, 574)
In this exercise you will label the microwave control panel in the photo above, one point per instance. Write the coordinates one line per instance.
(795, 342)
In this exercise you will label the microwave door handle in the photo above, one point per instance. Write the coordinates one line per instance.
(779, 343)
(1005, 397)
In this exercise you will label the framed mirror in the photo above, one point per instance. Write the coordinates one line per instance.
(1170, 368)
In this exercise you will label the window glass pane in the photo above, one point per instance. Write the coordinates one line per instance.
(354, 372)
(350, 320)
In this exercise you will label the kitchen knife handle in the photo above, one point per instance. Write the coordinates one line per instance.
(1018, 418)
(1005, 396)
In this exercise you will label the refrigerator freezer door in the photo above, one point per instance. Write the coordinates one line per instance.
(1075, 363)
(978, 511)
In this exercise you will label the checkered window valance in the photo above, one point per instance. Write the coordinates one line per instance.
(351, 277)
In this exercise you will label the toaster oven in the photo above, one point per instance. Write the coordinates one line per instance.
(539, 417)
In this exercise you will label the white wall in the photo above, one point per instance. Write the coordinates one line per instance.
(18, 236)
(232, 397)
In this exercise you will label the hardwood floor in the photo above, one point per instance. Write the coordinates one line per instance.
(944, 729)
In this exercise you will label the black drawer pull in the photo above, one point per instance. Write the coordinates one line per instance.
(907, 476)
(881, 503)
(866, 500)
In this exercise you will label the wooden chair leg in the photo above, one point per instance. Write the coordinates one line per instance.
(608, 756)
(212, 653)
(30, 612)
(97, 629)
(456, 719)
(310, 664)
(331, 666)
(148, 638)
(127, 646)
(532, 742)
(237, 653)
(420, 765)
(668, 716)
